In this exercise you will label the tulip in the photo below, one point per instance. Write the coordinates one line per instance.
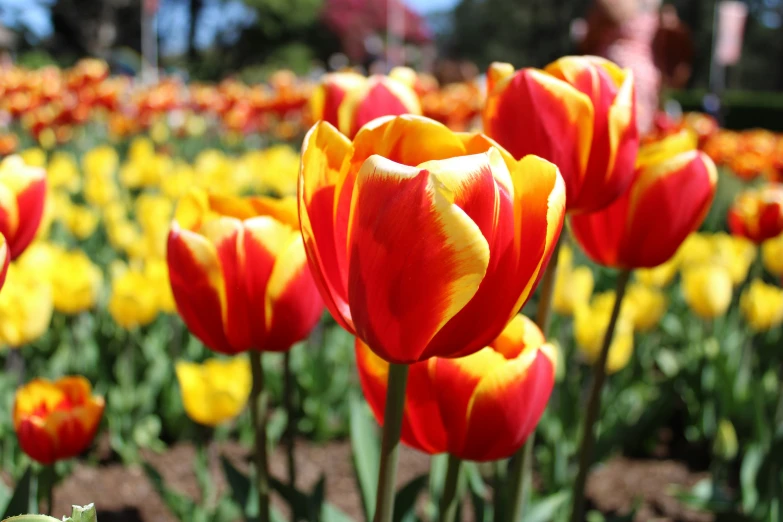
(658, 276)
(772, 255)
(22, 196)
(330, 93)
(762, 305)
(669, 197)
(424, 242)
(757, 213)
(239, 273)
(26, 305)
(455, 405)
(648, 304)
(573, 286)
(578, 113)
(215, 391)
(736, 254)
(56, 420)
(590, 326)
(133, 301)
(707, 289)
(378, 96)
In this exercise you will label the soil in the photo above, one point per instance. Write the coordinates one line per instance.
(124, 494)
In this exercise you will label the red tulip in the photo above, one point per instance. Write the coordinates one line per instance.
(579, 113)
(424, 242)
(480, 407)
(22, 196)
(239, 274)
(757, 213)
(378, 96)
(670, 195)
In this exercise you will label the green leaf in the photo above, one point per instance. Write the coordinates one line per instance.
(238, 482)
(329, 513)
(365, 448)
(25, 497)
(751, 463)
(182, 507)
(405, 499)
(545, 509)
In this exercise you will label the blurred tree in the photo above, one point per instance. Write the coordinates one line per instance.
(87, 27)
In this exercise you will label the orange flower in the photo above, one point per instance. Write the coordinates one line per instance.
(579, 113)
(424, 242)
(56, 420)
(239, 274)
(480, 407)
(378, 96)
(669, 197)
(330, 93)
(22, 195)
(757, 213)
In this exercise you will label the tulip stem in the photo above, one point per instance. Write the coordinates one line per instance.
(522, 462)
(390, 443)
(258, 411)
(449, 501)
(594, 402)
(290, 428)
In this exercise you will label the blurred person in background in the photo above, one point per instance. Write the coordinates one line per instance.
(623, 31)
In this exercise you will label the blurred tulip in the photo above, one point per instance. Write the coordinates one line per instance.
(481, 407)
(22, 196)
(239, 274)
(707, 289)
(757, 213)
(330, 93)
(56, 420)
(76, 282)
(215, 391)
(424, 242)
(772, 255)
(659, 276)
(668, 199)
(590, 324)
(573, 286)
(762, 305)
(378, 96)
(134, 299)
(5, 259)
(648, 305)
(62, 172)
(26, 306)
(81, 221)
(579, 113)
(735, 253)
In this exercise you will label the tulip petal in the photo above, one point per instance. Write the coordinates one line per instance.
(9, 213)
(422, 427)
(197, 286)
(379, 96)
(5, 259)
(281, 209)
(323, 153)
(293, 305)
(30, 202)
(416, 259)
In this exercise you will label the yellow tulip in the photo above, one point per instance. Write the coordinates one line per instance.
(573, 286)
(63, 172)
(762, 305)
(81, 221)
(590, 323)
(659, 276)
(26, 306)
(140, 149)
(707, 289)
(76, 282)
(648, 304)
(157, 272)
(34, 157)
(737, 253)
(134, 299)
(281, 170)
(772, 255)
(100, 162)
(215, 391)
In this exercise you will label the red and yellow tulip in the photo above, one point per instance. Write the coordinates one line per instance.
(378, 96)
(56, 420)
(578, 113)
(670, 195)
(757, 213)
(239, 273)
(480, 407)
(330, 93)
(424, 242)
(22, 196)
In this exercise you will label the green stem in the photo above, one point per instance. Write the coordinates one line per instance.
(521, 475)
(594, 402)
(449, 501)
(390, 444)
(258, 412)
(290, 429)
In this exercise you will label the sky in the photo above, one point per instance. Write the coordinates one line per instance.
(33, 15)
